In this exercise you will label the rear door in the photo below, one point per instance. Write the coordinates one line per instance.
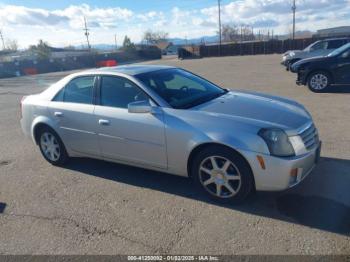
(131, 137)
(73, 111)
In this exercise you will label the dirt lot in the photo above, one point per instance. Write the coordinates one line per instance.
(94, 207)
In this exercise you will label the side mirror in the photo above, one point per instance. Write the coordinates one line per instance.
(140, 107)
(346, 55)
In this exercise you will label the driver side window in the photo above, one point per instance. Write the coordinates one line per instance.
(119, 92)
(319, 46)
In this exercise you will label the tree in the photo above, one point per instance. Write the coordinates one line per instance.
(230, 33)
(155, 37)
(128, 45)
(234, 33)
(42, 49)
(12, 45)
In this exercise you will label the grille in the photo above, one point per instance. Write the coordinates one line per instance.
(310, 137)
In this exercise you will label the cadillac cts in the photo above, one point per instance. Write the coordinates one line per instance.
(168, 119)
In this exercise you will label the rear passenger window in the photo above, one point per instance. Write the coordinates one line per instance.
(79, 90)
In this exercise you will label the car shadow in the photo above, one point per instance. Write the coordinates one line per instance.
(305, 204)
(2, 207)
(339, 89)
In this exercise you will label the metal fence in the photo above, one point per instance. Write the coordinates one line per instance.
(272, 46)
(254, 47)
(28, 67)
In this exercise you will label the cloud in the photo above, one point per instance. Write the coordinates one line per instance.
(71, 16)
(20, 15)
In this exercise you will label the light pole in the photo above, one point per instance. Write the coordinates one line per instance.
(294, 9)
(219, 10)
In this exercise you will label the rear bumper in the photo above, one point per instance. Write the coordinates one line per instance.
(278, 175)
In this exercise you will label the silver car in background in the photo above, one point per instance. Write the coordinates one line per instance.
(168, 119)
(318, 48)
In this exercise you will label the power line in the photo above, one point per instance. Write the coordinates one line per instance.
(219, 10)
(294, 10)
(2, 39)
(87, 33)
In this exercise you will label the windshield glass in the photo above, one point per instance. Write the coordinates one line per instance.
(308, 47)
(180, 88)
(339, 50)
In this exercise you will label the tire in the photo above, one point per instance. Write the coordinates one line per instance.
(51, 147)
(219, 182)
(319, 81)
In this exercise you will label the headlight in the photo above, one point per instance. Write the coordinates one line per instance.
(277, 141)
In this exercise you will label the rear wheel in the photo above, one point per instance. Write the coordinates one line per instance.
(319, 81)
(51, 146)
(223, 174)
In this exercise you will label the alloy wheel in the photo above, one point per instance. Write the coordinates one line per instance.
(319, 81)
(50, 146)
(220, 177)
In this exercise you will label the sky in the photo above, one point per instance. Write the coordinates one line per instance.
(60, 23)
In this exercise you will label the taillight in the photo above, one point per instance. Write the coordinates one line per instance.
(22, 105)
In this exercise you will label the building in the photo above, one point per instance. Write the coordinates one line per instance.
(167, 48)
(334, 32)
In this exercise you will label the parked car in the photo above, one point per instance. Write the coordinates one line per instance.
(320, 73)
(170, 120)
(319, 48)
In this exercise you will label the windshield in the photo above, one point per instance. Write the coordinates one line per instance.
(339, 50)
(308, 47)
(180, 88)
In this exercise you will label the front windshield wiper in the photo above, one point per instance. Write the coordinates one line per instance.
(203, 100)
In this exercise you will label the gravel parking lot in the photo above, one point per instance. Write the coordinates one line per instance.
(95, 207)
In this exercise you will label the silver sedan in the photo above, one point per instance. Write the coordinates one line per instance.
(168, 119)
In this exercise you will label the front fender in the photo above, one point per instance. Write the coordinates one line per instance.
(241, 141)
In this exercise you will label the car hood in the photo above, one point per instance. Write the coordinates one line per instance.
(291, 51)
(296, 65)
(313, 59)
(258, 109)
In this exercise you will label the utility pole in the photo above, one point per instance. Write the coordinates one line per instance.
(219, 10)
(87, 33)
(115, 41)
(2, 40)
(294, 9)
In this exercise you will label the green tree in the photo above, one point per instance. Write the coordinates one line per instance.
(128, 45)
(42, 49)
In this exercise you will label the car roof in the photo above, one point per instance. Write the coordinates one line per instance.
(333, 39)
(128, 69)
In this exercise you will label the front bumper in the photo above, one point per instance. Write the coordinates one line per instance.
(277, 175)
(301, 78)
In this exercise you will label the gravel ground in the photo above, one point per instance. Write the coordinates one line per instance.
(95, 207)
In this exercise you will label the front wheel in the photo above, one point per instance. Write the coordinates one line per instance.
(223, 174)
(319, 81)
(51, 147)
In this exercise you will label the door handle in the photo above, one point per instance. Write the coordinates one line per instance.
(103, 122)
(58, 114)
